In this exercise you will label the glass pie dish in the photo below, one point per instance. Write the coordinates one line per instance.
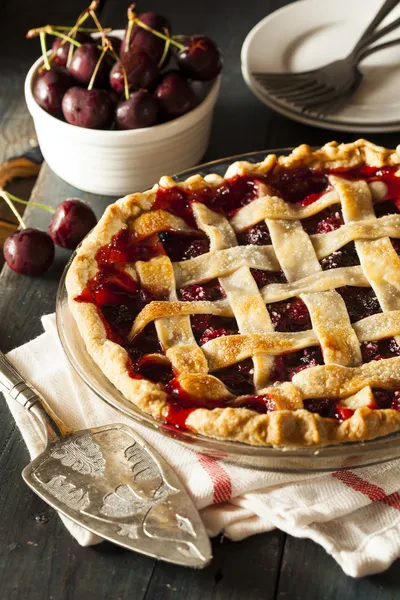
(324, 458)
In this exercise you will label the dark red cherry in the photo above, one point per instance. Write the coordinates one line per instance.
(141, 39)
(87, 108)
(200, 58)
(84, 62)
(61, 47)
(175, 96)
(140, 110)
(29, 251)
(71, 222)
(141, 71)
(50, 87)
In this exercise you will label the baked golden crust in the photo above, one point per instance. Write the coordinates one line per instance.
(343, 376)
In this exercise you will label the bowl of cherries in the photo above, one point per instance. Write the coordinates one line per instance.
(115, 110)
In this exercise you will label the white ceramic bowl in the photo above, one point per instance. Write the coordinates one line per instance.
(119, 162)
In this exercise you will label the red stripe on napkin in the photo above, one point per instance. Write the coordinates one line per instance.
(372, 491)
(222, 485)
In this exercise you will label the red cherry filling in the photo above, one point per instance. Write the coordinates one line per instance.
(257, 236)
(211, 334)
(210, 291)
(360, 302)
(325, 221)
(299, 185)
(182, 247)
(388, 207)
(211, 324)
(289, 315)
(125, 248)
(378, 350)
(288, 365)
(263, 278)
(225, 198)
(387, 398)
(345, 257)
(238, 378)
(156, 370)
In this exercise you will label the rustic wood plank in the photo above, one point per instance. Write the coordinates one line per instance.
(306, 566)
(246, 569)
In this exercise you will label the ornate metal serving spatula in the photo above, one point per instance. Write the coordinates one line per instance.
(110, 481)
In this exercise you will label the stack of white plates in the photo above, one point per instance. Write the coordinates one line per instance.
(310, 33)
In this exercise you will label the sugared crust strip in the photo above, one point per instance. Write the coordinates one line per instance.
(273, 207)
(241, 290)
(327, 309)
(228, 350)
(334, 381)
(317, 282)
(379, 260)
(219, 264)
(174, 333)
(373, 229)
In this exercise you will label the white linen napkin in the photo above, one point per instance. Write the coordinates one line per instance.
(354, 515)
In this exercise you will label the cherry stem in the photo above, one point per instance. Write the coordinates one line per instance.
(42, 35)
(81, 19)
(29, 203)
(165, 53)
(128, 35)
(97, 22)
(84, 29)
(8, 200)
(132, 19)
(93, 77)
(65, 38)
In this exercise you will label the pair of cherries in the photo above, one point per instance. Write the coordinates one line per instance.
(30, 251)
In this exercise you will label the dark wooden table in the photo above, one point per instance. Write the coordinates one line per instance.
(38, 559)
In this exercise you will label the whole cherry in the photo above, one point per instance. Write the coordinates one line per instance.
(175, 96)
(71, 222)
(61, 47)
(29, 251)
(141, 72)
(83, 64)
(50, 87)
(140, 110)
(145, 40)
(87, 108)
(200, 58)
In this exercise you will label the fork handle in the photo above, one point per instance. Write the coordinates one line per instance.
(367, 51)
(377, 35)
(385, 9)
(12, 382)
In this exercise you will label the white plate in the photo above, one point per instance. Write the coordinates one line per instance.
(311, 33)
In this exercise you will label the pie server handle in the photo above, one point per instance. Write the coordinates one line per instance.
(14, 384)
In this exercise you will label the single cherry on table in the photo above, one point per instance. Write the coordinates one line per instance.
(71, 222)
(29, 251)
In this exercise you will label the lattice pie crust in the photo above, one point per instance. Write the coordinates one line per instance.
(343, 376)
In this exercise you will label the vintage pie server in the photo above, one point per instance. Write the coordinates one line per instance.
(110, 481)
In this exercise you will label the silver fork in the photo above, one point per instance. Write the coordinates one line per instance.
(337, 79)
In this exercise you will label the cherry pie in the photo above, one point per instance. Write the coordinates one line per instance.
(262, 307)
